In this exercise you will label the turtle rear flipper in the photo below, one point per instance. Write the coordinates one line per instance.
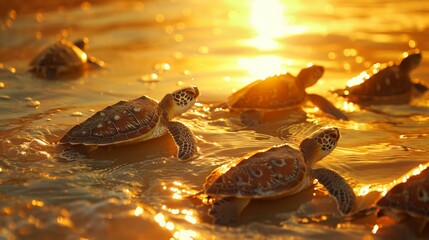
(184, 139)
(326, 106)
(94, 62)
(420, 87)
(227, 210)
(337, 187)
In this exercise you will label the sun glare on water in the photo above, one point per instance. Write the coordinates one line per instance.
(267, 18)
(262, 67)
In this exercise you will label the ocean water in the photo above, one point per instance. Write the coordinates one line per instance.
(154, 47)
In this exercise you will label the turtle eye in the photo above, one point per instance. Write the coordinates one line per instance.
(190, 93)
(317, 72)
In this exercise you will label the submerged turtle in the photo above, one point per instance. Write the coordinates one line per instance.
(386, 83)
(137, 120)
(64, 58)
(408, 199)
(280, 93)
(275, 172)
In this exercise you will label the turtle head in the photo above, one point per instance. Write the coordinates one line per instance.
(179, 101)
(82, 43)
(410, 62)
(309, 76)
(319, 144)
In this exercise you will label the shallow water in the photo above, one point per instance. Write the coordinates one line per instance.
(154, 47)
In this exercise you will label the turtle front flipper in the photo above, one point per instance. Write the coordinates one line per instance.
(326, 106)
(184, 139)
(227, 210)
(337, 187)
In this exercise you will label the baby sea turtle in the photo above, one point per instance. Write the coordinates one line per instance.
(64, 58)
(386, 83)
(137, 120)
(408, 199)
(275, 172)
(280, 93)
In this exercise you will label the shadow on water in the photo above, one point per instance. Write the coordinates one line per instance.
(157, 148)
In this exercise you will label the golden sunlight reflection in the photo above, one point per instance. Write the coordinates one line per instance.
(160, 219)
(364, 190)
(267, 18)
(128, 192)
(268, 21)
(350, 107)
(375, 229)
(178, 191)
(384, 188)
(84, 57)
(188, 214)
(138, 211)
(185, 234)
(37, 203)
(367, 74)
(358, 79)
(262, 67)
(65, 221)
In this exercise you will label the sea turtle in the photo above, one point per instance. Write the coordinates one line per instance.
(280, 93)
(386, 83)
(407, 202)
(275, 172)
(64, 58)
(408, 199)
(137, 120)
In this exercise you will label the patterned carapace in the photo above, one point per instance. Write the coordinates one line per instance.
(411, 197)
(385, 83)
(137, 120)
(272, 172)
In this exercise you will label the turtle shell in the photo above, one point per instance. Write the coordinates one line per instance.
(62, 57)
(386, 83)
(380, 80)
(274, 172)
(124, 122)
(276, 92)
(411, 197)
